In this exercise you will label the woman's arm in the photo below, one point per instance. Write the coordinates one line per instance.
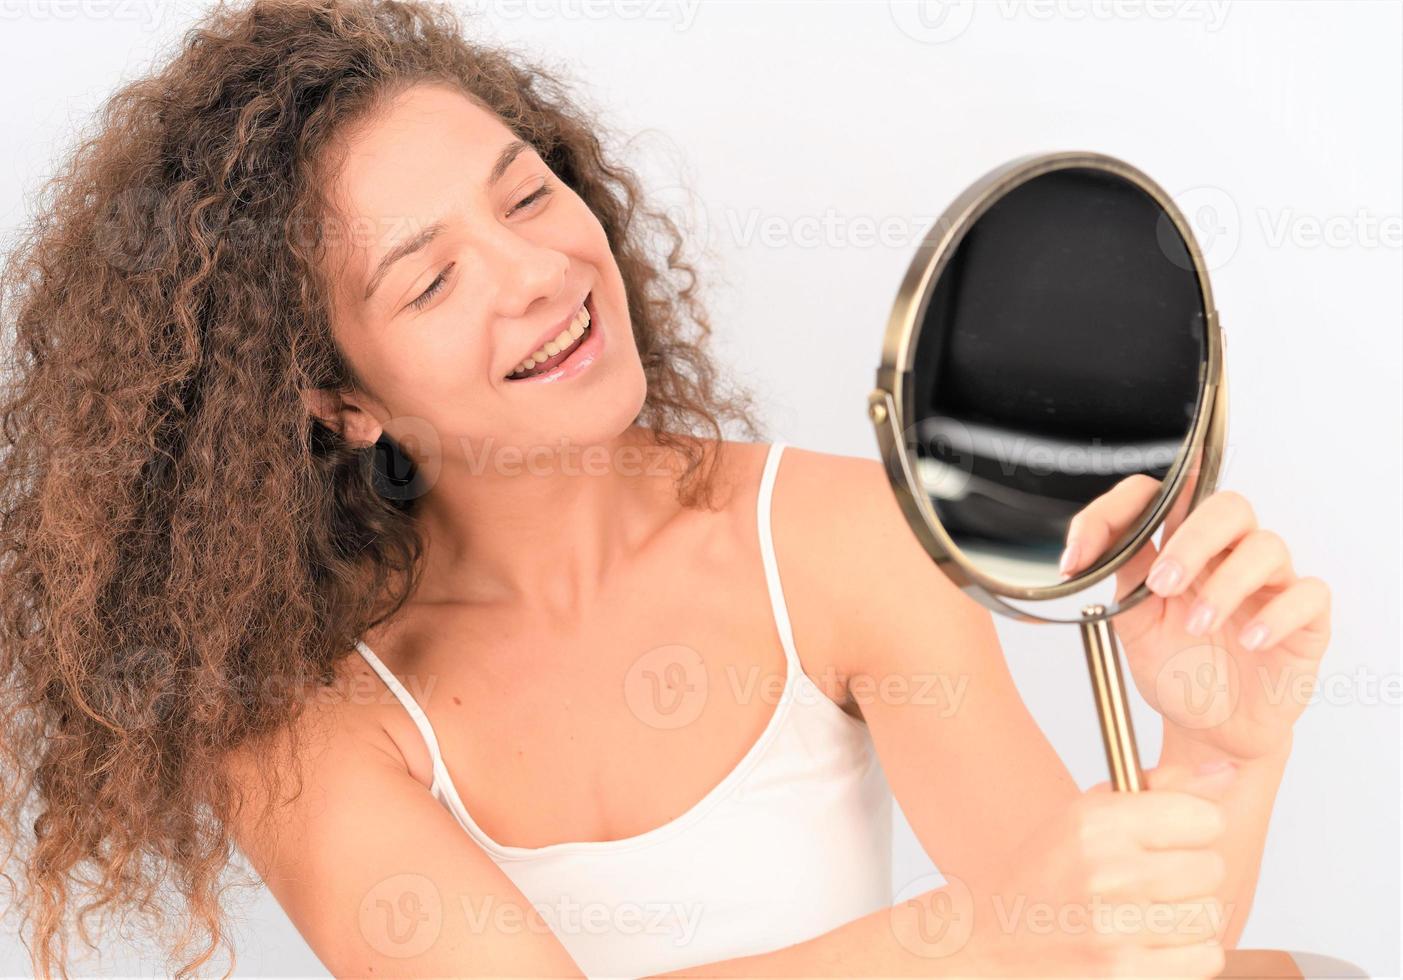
(374, 873)
(380, 880)
(967, 763)
(891, 942)
(1226, 647)
(969, 766)
(1247, 808)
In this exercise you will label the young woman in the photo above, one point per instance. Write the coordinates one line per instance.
(367, 505)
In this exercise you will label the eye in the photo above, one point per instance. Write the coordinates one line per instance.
(433, 289)
(540, 193)
(530, 200)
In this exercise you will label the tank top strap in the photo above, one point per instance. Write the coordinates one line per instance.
(767, 552)
(401, 693)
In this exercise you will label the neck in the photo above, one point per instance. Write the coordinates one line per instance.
(543, 528)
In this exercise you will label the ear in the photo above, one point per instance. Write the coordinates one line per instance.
(342, 413)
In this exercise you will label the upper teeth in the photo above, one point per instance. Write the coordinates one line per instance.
(557, 343)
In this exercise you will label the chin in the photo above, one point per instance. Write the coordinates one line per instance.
(609, 412)
(599, 416)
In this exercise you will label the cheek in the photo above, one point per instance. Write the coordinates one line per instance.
(583, 235)
(592, 246)
(435, 369)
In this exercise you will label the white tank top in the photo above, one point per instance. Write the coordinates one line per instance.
(793, 842)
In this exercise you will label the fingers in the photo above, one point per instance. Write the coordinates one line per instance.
(1303, 606)
(1169, 875)
(1161, 819)
(1196, 960)
(1167, 925)
(1155, 926)
(1213, 527)
(1204, 783)
(1259, 560)
(1103, 520)
(1183, 821)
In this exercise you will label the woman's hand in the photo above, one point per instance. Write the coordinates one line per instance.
(1118, 885)
(1228, 644)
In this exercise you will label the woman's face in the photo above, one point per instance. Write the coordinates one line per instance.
(462, 253)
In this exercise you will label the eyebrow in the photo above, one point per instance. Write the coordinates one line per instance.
(409, 246)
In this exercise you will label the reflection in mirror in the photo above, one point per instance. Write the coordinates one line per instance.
(1137, 495)
(1062, 350)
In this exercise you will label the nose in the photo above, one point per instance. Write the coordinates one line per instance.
(526, 272)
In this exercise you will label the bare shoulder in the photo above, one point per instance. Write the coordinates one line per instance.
(352, 832)
(859, 575)
(334, 722)
(850, 503)
(839, 512)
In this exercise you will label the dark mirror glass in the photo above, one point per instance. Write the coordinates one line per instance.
(1061, 357)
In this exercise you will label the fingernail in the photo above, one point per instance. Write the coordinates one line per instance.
(1069, 557)
(1253, 636)
(1216, 766)
(1199, 618)
(1164, 576)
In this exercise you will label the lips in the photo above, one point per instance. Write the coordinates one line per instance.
(555, 360)
(572, 362)
(550, 334)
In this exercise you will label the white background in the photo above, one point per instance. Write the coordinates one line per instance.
(822, 138)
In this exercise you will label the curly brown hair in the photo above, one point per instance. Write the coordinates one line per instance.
(176, 529)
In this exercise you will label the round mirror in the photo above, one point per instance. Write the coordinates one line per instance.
(1054, 344)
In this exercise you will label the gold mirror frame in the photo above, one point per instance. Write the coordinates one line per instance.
(889, 403)
(889, 406)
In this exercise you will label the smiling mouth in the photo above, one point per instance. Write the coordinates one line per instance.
(564, 345)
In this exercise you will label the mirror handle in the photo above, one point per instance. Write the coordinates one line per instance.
(1112, 708)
